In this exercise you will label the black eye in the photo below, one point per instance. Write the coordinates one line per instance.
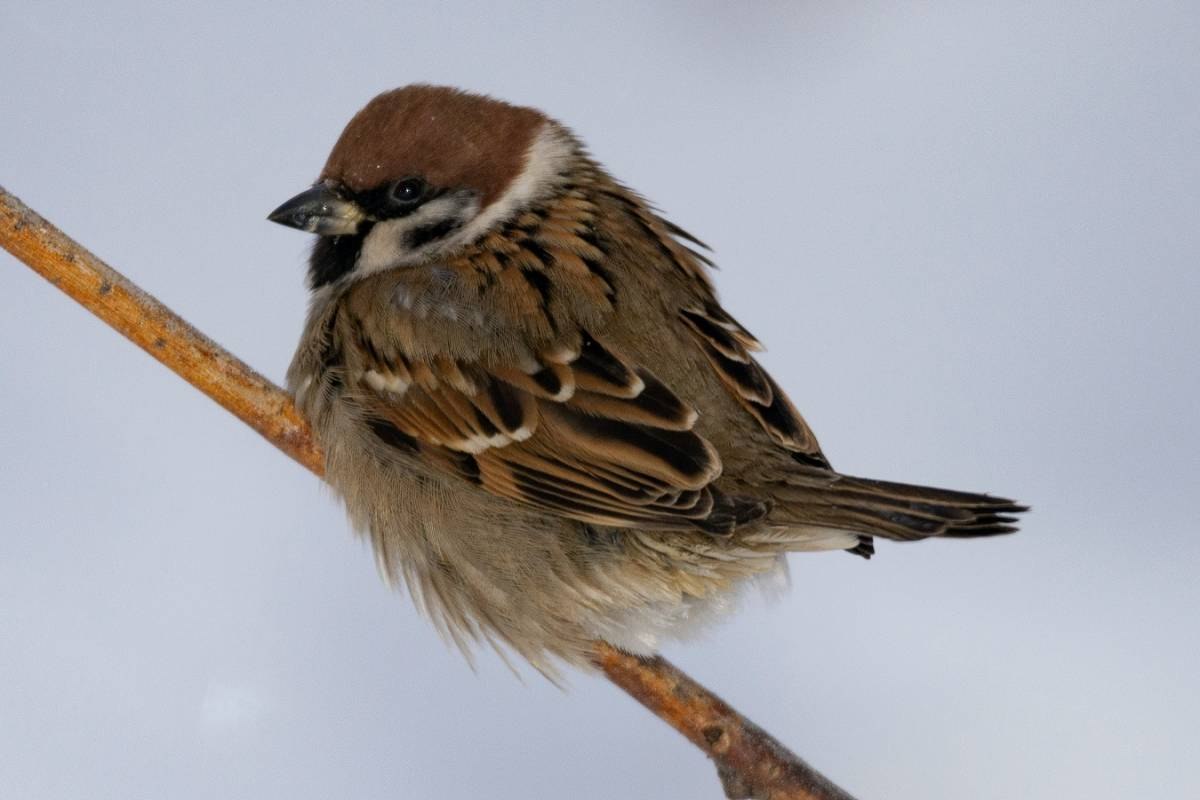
(407, 192)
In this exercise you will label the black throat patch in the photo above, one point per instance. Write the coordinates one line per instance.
(334, 256)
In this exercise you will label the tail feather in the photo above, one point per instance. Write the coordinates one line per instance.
(895, 510)
(864, 548)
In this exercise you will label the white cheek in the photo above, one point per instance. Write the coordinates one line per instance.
(384, 247)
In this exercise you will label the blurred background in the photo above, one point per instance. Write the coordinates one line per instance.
(969, 238)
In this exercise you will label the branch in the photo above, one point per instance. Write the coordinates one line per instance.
(750, 762)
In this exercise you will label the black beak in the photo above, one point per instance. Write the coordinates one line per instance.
(320, 210)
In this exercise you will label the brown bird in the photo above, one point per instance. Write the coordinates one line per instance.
(533, 403)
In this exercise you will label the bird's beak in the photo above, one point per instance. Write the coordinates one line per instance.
(320, 210)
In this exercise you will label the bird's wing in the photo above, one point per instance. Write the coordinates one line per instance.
(725, 343)
(577, 431)
(727, 346)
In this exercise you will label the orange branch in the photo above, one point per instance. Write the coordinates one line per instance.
(750, 762)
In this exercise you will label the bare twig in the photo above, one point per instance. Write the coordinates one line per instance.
(156, 329)
(750, 762)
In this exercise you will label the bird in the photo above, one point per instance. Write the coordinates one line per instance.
(535, 407)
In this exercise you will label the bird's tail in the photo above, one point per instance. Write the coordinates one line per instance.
(896, 511)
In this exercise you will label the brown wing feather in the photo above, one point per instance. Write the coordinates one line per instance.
(725, 343)
(727, 346)
(581, 432)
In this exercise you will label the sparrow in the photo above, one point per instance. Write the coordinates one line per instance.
(535, 407)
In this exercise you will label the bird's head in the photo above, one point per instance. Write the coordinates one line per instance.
(421, 172)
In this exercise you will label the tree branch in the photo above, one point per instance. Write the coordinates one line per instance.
(750, 762)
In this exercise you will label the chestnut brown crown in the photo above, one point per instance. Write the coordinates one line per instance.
(445, 136)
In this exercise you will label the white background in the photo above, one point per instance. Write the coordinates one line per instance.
(969, 238)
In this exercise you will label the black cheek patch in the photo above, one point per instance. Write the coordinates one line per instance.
(423, 235)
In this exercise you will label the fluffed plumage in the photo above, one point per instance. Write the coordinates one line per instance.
(532, 401)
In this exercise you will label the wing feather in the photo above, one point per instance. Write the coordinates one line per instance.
(727, 346)
(580, 431)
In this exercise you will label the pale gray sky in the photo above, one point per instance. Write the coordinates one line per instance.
(969, 238)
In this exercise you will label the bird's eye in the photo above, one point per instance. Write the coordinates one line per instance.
(407, 192)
